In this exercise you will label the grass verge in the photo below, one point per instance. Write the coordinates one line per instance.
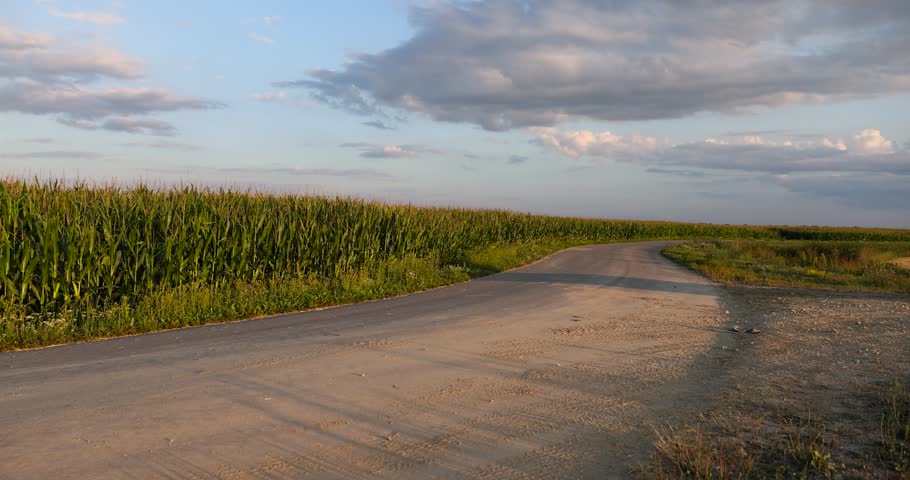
(199, 304)
(731, 446)
(848, 265)
(895, 428)
(728, 447)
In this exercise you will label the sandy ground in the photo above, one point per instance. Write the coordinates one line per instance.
(902, 262)
(556, 370)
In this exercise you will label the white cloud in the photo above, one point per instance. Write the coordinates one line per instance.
(148, 126)
(97, 18)
(261, 39)
(583, 142)
(44, 64)
(41, 76)
(272, 19)
(369, 150)
(867, 151)
(872, 141)
(278, 96)
(17, 40)
(87, 103)
(40, 57)
(389, 151)
(140, 125)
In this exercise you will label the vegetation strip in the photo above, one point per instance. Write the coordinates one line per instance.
(79, 262)
(731, 446)
(840, 265)
(200, 304)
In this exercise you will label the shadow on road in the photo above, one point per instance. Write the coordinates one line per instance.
(606, 281)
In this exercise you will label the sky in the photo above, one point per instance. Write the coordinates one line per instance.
(738, 111)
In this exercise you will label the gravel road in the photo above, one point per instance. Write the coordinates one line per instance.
(556, 370)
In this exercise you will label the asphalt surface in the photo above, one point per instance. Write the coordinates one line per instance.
(554, 370)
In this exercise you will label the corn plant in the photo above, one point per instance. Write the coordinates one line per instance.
(74, 246)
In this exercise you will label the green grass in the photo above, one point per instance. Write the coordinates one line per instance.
(840, 265)
(80, 262)
(200, 304)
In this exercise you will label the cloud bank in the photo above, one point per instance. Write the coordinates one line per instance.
(867, 151)
(40, 75)
(504, 64)
(863, 170)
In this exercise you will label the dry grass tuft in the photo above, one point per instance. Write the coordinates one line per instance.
(895, 428)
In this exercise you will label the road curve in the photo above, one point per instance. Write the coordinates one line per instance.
(555, 370)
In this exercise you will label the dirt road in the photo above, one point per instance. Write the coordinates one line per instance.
(555, 370)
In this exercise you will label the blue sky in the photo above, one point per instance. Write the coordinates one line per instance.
(745, 112)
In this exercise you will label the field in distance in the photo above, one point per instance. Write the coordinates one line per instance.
(839, 265)
(83, 262)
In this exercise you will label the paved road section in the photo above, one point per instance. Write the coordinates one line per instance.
(555, 370)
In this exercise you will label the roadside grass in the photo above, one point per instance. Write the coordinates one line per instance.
(733, 446)
(500, 258)
(895, 428)
(839, 265)
(755, 448)
(200, 304)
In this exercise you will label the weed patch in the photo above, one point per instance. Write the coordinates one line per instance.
(858, 266)
(895, 428)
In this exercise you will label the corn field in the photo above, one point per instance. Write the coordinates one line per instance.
(75, 246)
